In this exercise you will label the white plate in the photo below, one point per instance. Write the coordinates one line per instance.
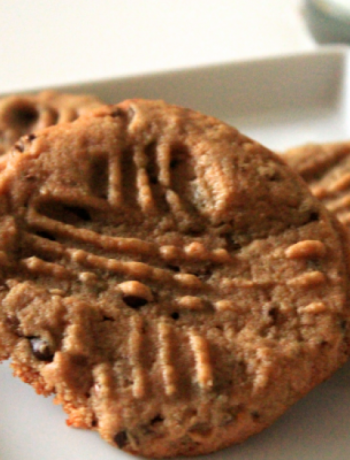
(280, 102)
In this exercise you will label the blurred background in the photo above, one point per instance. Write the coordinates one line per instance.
(44, 43)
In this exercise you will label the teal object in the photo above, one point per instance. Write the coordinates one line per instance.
(328, 20)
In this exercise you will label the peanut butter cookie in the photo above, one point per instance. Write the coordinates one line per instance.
(24, 114)
(171, 281)
(326, 169)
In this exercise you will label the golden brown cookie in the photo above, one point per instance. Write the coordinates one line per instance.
(24, 114)
(173, 282)
(326, 169)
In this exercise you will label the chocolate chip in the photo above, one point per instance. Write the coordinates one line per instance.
(41, 349)
(174, 268)
(274, 176)
(157, 419)
(106, 318)
(314, 216)
(273, 313)
(175, 315)
(194, 232)
(121, 439)
(255, 415)
(134, 302)
(31, 137)
(343, 325)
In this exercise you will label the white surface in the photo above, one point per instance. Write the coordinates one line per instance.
(280, 102)
(43, 43)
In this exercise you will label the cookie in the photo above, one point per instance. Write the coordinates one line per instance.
(24, 114)
(171, 281)
(326, 169)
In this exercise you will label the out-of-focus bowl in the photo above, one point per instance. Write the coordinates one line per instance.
(328, 20)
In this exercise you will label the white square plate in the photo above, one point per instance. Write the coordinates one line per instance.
(280, 102)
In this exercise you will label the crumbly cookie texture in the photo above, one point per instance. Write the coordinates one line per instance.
(172, 282)
(326, 169)
(24, 114)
